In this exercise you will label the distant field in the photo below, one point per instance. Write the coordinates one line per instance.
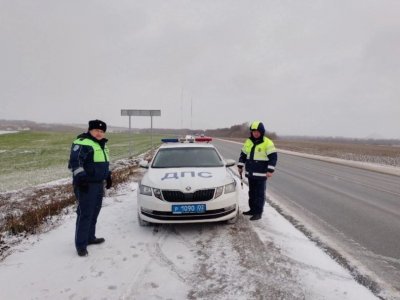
(29, 158)
(380, 154)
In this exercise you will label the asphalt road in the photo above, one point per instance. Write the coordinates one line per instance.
(354, 211)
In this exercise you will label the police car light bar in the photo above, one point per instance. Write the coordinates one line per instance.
(190, 140)
(203, 139)
(170, 140)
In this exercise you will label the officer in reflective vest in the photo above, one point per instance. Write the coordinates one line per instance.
(259, 158)
(89, 164)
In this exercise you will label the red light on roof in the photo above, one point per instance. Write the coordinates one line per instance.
(203, 139)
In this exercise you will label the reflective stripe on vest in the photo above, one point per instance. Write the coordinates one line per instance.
(98, 154)
(261, 151)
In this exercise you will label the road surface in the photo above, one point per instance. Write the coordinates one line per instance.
(354, 211)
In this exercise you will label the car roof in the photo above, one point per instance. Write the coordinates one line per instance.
(186, 145)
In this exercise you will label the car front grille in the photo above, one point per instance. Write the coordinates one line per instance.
(178, 196)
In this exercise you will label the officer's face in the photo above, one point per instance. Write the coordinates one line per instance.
(98, 134)
(256, 134)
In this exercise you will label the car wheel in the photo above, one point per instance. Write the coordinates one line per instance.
(142, 222)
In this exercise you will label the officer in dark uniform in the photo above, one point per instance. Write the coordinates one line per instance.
(89, 164)
(259, 158)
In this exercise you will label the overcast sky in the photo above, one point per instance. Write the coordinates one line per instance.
(326, 68)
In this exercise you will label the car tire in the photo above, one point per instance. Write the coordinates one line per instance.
(142, 222)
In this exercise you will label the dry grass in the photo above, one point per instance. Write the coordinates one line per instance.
(27, 215)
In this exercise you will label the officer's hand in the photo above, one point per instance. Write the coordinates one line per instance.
(108, 182)
(240, 170)
(269, 174)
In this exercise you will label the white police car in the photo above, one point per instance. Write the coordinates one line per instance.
(187, 183)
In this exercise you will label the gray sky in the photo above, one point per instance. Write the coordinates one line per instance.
(326, 68)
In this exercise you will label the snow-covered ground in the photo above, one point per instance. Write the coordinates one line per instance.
(7, 131)
(266, 259)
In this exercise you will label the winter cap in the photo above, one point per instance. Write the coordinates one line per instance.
(257, 125)
(97, 124)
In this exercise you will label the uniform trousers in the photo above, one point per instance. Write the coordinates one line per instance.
(257, 188)
(89, 206)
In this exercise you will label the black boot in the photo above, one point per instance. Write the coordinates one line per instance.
(248, 213)
(255, 217)
(82, 252)
(96, 241)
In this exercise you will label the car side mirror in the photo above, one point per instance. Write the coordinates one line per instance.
(229, 162)
(144, 164)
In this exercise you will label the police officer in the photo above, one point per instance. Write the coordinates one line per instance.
(259, 158)
(89, 164)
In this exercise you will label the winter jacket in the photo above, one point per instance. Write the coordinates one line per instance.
(89, 159)
(259, 156)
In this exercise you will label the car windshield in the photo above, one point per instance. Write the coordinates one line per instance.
(187, 157)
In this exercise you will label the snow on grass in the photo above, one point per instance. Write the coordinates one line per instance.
(31, 178)
(7, 131)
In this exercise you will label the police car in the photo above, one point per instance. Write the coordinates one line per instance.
(187, 182)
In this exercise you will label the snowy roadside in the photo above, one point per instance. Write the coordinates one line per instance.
(250, 260)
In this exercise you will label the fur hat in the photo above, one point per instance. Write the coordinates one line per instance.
(97, 124)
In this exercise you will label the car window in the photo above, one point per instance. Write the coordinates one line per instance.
(187, 157)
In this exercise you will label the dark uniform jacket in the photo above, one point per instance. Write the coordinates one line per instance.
(89, 159)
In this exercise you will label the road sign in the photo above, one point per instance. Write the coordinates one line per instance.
(141, 112)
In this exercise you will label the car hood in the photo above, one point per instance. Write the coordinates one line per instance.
(183, 178)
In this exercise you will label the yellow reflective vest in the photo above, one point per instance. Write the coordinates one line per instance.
(89, 159)
(98, 154)
(258, 158)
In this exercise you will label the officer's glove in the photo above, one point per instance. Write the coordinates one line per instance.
(108, 182)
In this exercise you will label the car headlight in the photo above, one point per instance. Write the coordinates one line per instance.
(158, 193)
(230, 188)
(218, 191)
(145, 190)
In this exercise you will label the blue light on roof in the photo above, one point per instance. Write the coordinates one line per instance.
(170, 140)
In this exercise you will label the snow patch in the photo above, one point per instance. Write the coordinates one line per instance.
(7, 131)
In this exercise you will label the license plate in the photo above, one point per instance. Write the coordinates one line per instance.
(189, 209)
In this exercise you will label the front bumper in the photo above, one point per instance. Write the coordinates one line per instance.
(153, 210)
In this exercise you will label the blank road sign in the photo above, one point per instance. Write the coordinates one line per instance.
(141, 112)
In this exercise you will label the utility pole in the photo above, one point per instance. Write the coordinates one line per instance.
(191, 113)
(182, 108)
(130, 138)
